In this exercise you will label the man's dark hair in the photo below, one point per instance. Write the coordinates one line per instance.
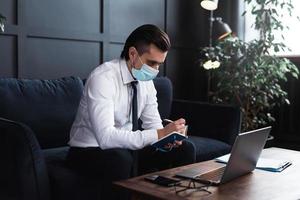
(143, 36)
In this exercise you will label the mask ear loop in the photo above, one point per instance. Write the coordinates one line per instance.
(133, 66)
(141, 60)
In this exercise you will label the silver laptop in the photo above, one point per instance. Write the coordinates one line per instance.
(243, 158)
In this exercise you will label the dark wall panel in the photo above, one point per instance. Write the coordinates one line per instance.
(286, 128)
(8, 8)
(49, 58)
(62, 37)
(186, 23)
(127, 15)
(294, 96)
(70, 15)
(114, 51)
(187, 26)
(183, 70)
(8, 56)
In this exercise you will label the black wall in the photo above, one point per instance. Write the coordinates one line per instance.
(52, 38)
(287, 125)
(56, 38)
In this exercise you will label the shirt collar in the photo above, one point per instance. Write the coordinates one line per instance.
(125, 73)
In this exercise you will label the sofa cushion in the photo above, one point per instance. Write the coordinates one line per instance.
(220, 122)
(48, 107)
(164, 90)
(207, 148)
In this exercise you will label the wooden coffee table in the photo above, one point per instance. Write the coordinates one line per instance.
(259, 184)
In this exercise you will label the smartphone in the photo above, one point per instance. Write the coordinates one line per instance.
(161, 180)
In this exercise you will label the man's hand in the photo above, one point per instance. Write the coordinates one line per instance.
(174, 145)
(176, 126)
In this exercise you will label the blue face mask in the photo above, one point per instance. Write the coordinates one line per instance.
(146, 73)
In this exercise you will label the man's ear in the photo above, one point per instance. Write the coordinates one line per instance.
(132, 53)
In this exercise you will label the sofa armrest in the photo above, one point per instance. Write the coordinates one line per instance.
(221, 122)
(23, 169)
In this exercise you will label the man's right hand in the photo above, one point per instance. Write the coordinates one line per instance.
(176, 126)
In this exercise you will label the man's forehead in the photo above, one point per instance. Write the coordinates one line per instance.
(152, 48)
(153, 51)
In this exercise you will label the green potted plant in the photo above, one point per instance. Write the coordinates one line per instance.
(2, 20)
(248, 74)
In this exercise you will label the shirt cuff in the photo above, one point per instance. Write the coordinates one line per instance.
(150, 136)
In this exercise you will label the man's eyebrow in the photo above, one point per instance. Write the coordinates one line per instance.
(154, 62)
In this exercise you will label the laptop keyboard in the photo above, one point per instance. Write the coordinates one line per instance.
(214, 175)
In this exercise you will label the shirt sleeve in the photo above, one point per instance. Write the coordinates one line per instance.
(150, 115)
(101, 91)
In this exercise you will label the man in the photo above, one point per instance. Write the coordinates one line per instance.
(105, 133)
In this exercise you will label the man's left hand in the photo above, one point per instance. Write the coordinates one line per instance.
(174, 145)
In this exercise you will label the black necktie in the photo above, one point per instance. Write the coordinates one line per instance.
(134, 107)
(134, 126)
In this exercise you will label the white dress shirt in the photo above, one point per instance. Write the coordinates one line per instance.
(104, 116)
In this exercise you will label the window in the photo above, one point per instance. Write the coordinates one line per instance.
(291, 36)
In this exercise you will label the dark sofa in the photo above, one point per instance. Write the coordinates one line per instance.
(35, 119)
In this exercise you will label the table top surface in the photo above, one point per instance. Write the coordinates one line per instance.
(259, 184)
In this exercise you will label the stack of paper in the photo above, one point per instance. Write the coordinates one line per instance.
(272, 164)
(268, 164)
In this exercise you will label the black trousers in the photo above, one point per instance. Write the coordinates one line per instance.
(117, 164)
